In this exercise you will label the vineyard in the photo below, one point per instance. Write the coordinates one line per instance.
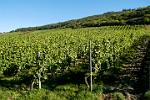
(58, 62)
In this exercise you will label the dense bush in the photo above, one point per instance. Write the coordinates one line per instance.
(118, 96)
(147, 95)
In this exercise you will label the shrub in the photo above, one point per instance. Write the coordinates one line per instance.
(98, 88)
(147, 95)
(118, 96)
(85, 96)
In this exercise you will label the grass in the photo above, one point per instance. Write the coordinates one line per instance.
(61, 92)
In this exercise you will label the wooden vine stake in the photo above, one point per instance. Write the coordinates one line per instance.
(39, 74)
(91, 80)
(149, 76)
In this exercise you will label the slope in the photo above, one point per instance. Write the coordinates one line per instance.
(124, 17)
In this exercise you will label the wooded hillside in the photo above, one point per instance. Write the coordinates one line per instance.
(124, 17)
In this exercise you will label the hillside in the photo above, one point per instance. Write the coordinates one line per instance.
(124, 17)
(55, 64)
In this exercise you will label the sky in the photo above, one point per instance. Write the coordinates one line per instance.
(27, 13)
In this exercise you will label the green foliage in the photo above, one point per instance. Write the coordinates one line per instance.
(38, 55)
(146, 20)
(63, 56)
(29, 95)
(85, 96)
(6, 94)
(147, 95)
(41, 95)
(118, 96)
(98, 88)
(62, 92)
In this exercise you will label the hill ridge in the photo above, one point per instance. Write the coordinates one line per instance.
(124, 17)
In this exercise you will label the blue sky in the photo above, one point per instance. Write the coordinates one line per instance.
(25, 13)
